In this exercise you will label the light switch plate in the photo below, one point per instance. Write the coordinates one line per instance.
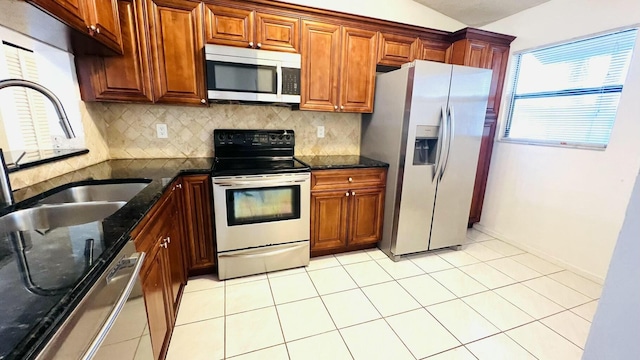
(161, 131)
(320, 131)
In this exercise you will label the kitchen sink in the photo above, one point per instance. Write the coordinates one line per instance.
(96, 192)
(55, 216)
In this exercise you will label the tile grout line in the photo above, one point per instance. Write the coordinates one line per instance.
(273, 298)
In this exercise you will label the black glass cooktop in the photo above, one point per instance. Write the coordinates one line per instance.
(231, 167)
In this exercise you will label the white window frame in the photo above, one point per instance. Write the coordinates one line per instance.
(508, 97)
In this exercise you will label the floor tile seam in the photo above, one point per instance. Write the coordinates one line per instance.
(273, 298)
(570, 287)
(457, 296)
(446, 328)
(490, 288)
(535, 277)
(503, 333)
(381, 267)
(414, 298)
(399, 338)
(200, 290)
(533, 319)
(552, 329)
(254, 351)
(199, 320)
(570, 307)
(521, 309)
(498, 270)
(246, 282)
(541, 323)
(333, 321)
(553, 272)
(477, 312)
(444, 351)
(224, 324)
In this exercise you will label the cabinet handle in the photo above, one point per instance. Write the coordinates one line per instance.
(98, 30)
(259, 45)
(347, 194)
(203, 101)
(179, 186)
(353, 193)
(250, 44)
(350, 179)
(164, 245)
(168, 239)
(335, 107)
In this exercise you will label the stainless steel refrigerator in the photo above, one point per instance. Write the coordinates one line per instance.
(427, 124)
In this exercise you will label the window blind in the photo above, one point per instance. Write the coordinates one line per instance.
(31, 111)
(568, 94)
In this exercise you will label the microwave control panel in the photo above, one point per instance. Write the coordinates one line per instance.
(290, 81)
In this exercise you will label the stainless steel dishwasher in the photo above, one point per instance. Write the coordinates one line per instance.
(110, 322)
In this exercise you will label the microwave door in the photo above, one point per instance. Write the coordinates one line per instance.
(249, 80)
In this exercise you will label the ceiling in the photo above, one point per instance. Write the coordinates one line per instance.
(479, 12)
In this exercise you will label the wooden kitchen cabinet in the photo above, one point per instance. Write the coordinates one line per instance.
(338, 68)
(277, 32)
(487, 50)
(104, 23)
(198, 220)
(395, 50)
(120, 78)
(347, 209)
(154, 285)
(70, 12)
(433, 50)
(177, 58)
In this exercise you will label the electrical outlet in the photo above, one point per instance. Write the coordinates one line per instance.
(320, 131)
(161, 131)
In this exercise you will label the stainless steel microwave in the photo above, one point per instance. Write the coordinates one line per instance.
(252, 75)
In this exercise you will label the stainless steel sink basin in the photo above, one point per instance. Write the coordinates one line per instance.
(98, 192)
(55, 216)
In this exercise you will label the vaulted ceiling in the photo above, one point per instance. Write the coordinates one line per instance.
(479, 12)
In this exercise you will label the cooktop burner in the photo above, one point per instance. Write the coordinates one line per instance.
(249, 152)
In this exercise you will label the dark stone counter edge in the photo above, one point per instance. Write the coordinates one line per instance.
(368, 163)
(125, 220)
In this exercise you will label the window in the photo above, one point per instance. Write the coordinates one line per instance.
(568, 94)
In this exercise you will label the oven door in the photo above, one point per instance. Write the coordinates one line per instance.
(260, 210)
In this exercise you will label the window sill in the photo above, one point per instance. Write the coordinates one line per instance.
(55, 155)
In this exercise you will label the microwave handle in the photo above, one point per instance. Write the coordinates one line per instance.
(279, 80)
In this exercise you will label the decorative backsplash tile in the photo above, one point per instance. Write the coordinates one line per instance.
(95, 141)
(131, 129)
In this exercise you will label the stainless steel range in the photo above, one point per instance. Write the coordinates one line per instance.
(261, 201)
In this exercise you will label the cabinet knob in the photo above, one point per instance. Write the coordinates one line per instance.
(350, 179)
(98, 30)
(347, 193)
(342, 107)
(259, 45)
(179, 186)
(335, 107)
(203, 101)
(92, 27)
(353, 193)
(164, 245)
(250, 44)
(168, 240)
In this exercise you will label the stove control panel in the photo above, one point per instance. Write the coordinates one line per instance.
(254, 138)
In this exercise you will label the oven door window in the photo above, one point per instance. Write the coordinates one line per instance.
(223, 76)
(260, 205)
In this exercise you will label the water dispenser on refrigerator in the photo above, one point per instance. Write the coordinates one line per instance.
(426, 146)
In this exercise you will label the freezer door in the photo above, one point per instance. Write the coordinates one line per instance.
(427, 103)
(465, 115)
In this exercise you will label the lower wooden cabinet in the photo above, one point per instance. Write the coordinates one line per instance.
(198, 221)
(154, 285)
(347, 209)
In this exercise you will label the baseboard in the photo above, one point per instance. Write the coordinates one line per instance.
(541, 254)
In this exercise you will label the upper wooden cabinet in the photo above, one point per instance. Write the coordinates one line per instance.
(120, 78)
(335, 55)
(96, 18)
(433, 50)
(257, 29)
(395, 50)
(175, 29)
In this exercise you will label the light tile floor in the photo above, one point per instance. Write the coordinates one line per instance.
(489, 300)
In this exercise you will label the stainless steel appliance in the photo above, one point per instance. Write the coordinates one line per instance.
(427, 125)
(261, 197)
(252, 75)
(110, 320)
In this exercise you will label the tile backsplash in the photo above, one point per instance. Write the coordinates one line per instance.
(131, 129)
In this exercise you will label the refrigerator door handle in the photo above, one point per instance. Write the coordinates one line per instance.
(451, 129)
(443, 134)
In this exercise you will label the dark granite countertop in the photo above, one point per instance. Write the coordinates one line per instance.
(340, 162)
(36, 298)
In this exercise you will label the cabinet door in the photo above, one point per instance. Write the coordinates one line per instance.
(366, 216)
(477, 54)
(175, 28)
(320, 66)
(484, 159)
(277, 32)
(104, 23)
(120, 78)
(358, 70)
(433, 50)
(70, 12)
(329, 214)
(154, 288)
(198, 223)
(497, 58)
(395, 50)
(229, 26)
(174, 251)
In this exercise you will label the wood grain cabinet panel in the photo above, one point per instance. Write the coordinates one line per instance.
(433, 50)
(120, 78)
(484, 159)
(358, 70)
(176, 51)
(477, 54)
(104, 23)
(497, 58)
(229, 26)
(320, 66)
(395, 50)
(198, 222)
(70, 12)
(366, 216)
(277, 32)
(329, 212)
(154, 285)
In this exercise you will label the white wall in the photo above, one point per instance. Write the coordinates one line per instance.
(567, 204)
(403, 11)
(616, 325)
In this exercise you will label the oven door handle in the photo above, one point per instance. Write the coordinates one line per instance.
(136, 261)
(236, 184)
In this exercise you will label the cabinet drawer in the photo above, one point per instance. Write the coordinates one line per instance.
(348, 179)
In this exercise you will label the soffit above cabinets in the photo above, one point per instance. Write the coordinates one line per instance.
(479, 12)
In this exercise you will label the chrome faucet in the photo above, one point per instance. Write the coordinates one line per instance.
(6, 194)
